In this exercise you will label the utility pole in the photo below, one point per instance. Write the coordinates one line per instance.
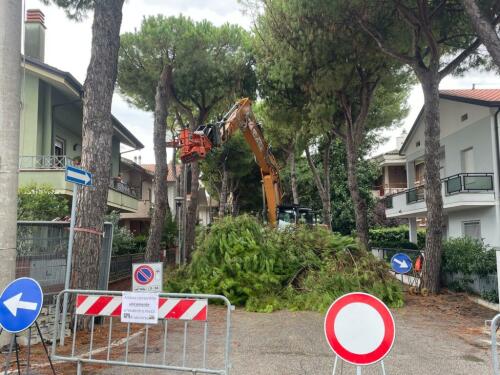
(10, 111)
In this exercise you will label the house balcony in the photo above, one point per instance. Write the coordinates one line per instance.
(460, 191)
(50, 170)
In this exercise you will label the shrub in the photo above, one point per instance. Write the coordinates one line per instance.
(468, 256)
(396, 237)
(123, 239)
(40, 202)
(302, 268)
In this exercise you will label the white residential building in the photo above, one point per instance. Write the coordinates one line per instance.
(469, 161)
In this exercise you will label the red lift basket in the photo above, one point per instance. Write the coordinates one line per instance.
(194, 145)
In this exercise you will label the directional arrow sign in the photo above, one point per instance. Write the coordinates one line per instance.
(20, 304)
(401, 263)
(14, 303)
(78, 176)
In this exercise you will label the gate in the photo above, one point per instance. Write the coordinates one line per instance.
(168, 345)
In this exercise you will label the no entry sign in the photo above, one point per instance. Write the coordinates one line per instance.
(147, 277)
(359, 328)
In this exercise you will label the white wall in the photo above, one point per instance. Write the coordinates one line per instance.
(489, 227)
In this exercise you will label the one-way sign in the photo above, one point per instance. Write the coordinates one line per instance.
(20, 304)
(401, 263)
(78, 176)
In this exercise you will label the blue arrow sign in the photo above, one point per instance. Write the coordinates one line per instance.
(20, 304)
(401, 263)
(78, 176)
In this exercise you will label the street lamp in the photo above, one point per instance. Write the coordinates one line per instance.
(180, 228)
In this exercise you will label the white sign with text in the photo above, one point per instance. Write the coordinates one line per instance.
(139, 308)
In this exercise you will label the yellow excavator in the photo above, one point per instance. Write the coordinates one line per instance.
(195, 145)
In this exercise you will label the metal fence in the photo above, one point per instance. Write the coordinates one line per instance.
(42, 251)
(121, 266)
(190, 336)
(494, 349)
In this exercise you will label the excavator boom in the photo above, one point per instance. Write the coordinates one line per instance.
(196, 145)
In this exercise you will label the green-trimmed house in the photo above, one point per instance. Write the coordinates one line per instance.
(51, 125)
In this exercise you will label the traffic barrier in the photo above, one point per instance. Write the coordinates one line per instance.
(164, 346)
(494, 351)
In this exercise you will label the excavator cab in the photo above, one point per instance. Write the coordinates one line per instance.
(294, 214)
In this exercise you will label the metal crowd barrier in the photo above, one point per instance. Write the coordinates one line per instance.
(494, 351)
(186, 310)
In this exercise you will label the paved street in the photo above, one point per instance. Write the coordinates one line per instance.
(431, 339)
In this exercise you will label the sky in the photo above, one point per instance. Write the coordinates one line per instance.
(67, 47)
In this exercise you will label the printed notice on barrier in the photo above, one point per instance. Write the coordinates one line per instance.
(139, 308)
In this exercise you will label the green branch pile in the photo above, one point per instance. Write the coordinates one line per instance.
(265, 270)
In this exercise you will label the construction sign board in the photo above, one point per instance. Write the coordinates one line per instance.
(359, 328)
(139, 308)
(147, 277)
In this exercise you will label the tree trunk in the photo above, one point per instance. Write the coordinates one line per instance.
(153, 248)
(433, 197)
(192, 212)
(97, 132)
(235, 208)
(360, 211)
(223, 192)
(323, 188)
(293, 176)
(484, 30)
(10, 100)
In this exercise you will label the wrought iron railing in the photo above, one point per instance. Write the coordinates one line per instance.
(44, 162)
(124, 188)
(468, 182)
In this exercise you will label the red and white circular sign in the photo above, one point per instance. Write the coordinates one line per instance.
(359, 328)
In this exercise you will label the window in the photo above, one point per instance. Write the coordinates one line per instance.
(472, 229)
(59, 147)
(59, 152)
(468, 160)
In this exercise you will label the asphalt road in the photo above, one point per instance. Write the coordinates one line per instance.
(434, 335)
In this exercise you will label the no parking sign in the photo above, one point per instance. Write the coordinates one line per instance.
(147, 277)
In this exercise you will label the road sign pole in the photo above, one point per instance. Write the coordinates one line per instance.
(68, 263)
(358, 370)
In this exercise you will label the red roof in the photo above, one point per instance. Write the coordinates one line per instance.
(170, 175)
(485, 95)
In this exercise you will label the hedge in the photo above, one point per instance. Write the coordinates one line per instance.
(396, 237)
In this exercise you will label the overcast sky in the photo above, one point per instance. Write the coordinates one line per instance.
(68, 48)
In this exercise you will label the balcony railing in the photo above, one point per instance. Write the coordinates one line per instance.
(124, 188)
(44, 162)
(468, 182)
(416, 194)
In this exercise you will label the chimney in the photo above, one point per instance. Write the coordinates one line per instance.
(400, 140)
(34, 36)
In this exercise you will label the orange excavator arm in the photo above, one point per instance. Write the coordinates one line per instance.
(195, 145)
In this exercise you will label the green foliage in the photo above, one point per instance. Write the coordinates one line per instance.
(169, 231)
(468, 256)
(211, 65)
(40, 202)
(396, 237)
(123, 239)
(342, 207)
(243, 174)
(264, 269)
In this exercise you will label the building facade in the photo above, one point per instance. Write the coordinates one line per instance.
(469, 161)
(51, 125)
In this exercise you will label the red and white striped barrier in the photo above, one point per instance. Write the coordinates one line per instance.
(169, 308)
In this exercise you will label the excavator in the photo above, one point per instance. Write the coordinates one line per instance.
(195, 145)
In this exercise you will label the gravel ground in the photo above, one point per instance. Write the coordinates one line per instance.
(434, 335)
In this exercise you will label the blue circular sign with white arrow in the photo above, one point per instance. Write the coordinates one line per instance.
(20, 304)
(401, 263)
